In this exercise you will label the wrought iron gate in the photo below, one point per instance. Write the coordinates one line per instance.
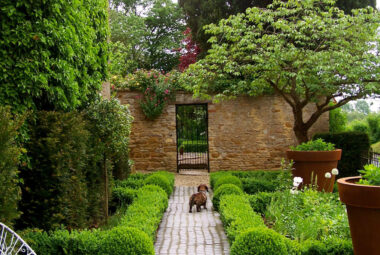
(192, 137)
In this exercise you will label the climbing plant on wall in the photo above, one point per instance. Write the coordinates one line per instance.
(156, 88)
(53, 54)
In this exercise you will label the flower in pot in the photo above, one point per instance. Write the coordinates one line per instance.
(312, 160)
(361, 194)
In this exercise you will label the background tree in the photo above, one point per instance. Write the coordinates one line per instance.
(362, 107)
(204, 12)
(189, 51)
(306, 51)
(144, 34)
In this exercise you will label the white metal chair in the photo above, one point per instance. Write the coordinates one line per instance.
(11, 243)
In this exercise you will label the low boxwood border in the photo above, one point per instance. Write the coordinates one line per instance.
(240, 221)
(134, 235)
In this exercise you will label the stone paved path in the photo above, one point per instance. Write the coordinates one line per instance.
(184, 233)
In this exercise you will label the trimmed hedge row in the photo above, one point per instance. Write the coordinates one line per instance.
(118, 241)
(225, 189)
(252, 181)
(354, 145)
(260, 201)
(147, 209)
(228, 179)
(134, 235)
(237, 215)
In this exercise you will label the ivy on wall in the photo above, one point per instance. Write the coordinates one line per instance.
(53, 54)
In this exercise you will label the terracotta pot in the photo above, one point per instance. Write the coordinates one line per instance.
(363, 210)
(315, 164)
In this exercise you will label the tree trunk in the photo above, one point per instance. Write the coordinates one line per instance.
(105, 179)
(301, 133)
(300, 128)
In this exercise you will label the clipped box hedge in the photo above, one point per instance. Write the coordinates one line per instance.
(228, 179)
(134, 235)
(254, 181)
(237, 215)
(225, 189)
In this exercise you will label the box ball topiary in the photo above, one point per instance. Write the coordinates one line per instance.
(125, 240)
(260, 241)
(229, 179)
(161, 181)
(225, 189)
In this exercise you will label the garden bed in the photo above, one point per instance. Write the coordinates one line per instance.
(143, 199)
(272, 220)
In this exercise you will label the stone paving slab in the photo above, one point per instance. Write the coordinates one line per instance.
(184, 233)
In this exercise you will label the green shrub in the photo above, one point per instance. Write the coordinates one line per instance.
(278, 178)
(216, 175)
(354, 146)
(123, 196)
(337, 120)
(124, 240)
(55, 188)
(130, 183)
(134, 235)
(10, 193)
(63, 242)
(225, 189)
(228, 180)
(332, 246)
(260, 201)
(161, 181)
(168, 176)
(260, 241)
(237, 215)
(54, 54)
(147, 209)
(314, 145)
(252, 186)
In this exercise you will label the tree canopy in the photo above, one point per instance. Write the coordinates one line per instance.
(306, 51)
(204, 12)
(145, 34)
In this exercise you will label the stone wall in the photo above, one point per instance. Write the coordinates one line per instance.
(246, 133)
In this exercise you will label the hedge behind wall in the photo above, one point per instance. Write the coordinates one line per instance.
(53, 54)
(355, 147)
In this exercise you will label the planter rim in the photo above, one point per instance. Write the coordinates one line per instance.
(351, 181)
(315, 151)
(358, 195)
(314, 156)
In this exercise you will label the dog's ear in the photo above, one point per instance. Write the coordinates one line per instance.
(199, 187)
(206, 188)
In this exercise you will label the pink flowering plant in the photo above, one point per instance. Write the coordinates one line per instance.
(156, 88)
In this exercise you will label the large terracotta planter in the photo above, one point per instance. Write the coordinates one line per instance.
(363, 210)
(315, 164)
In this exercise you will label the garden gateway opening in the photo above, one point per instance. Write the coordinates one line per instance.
(192, 136)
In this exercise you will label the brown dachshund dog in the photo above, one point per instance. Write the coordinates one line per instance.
(199, 198)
